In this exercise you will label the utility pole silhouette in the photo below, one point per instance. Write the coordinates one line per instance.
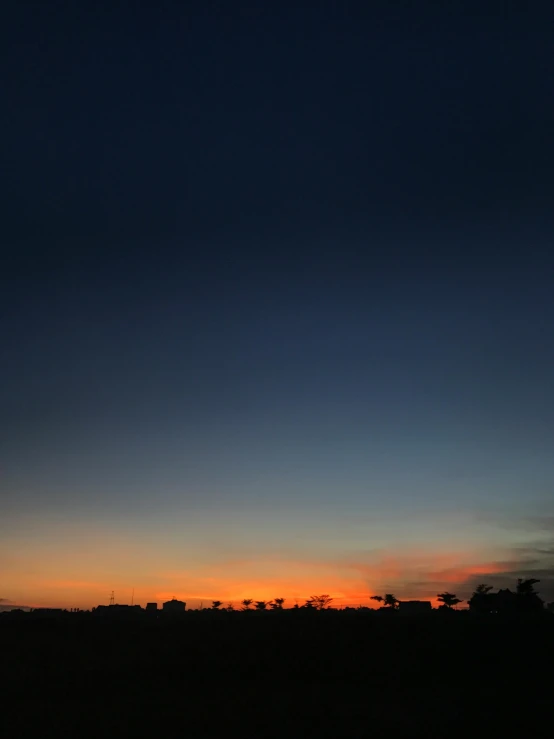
(112, 598)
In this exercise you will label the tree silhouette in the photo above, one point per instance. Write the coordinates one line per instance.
(389, 600)
(261, 605)
(216, 605)
(505, 601)
(482, 600)
(448, 600)
(527, 598)
(229, 607)
(319, 602)
(246, 603)
(482, 589)
(277, 604)
(526, 587)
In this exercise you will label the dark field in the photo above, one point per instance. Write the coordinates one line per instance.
(322, 674)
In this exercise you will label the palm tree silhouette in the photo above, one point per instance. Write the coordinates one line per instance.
(448, 599)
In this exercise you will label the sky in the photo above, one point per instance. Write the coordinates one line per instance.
(276, 300)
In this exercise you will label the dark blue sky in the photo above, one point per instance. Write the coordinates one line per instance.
(277, 259)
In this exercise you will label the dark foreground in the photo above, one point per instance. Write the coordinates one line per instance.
(321, 675)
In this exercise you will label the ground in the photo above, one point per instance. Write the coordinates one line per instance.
(270, 675)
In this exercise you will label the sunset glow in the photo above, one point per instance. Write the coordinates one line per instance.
(42, 573)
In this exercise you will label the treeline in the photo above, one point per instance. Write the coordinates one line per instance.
(523, 599)
(315, 602)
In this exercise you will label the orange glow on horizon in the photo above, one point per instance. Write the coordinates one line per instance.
(350, 583)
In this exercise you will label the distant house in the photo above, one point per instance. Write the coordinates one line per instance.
(152, 606)
(504, 601)
(174, 606)
(415, 606)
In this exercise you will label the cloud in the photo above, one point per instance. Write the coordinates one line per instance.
(533, 560)
(352, 579)
(421, 575)
(72, 584)
(536, 524)
(544, 523)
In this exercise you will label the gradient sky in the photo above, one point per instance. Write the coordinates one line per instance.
(276, 300)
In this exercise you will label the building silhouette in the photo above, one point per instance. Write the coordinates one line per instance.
(174, 606)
